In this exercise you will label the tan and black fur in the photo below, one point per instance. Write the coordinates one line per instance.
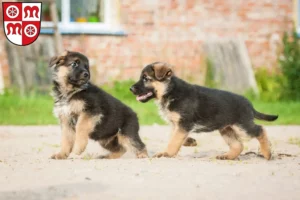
(192, 108)
(85, 111)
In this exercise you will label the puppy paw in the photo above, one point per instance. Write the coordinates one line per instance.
(267, 155)
(59, 156)
(267, 152)
(225, 157)
(222, 157)
(78, 150)
(190, 142)
(112, 155)
(162, 154)
(142, 154)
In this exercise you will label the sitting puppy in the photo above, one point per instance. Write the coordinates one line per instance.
(192, 108)
(85, 111)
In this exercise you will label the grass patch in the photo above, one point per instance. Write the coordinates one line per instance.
(31, 110)
(287, 112)
(37, 109)
(88, 156)
(147, 112)
(294, 140)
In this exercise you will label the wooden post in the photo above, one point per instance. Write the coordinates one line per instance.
(13, 53)
(57, 36)
(1, 81)
(231, 64)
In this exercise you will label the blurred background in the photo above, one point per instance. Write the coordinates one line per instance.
(246, 46)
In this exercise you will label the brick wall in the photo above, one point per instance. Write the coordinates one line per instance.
(174, 31)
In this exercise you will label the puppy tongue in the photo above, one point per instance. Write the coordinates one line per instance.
(144, 96)
(138, 98)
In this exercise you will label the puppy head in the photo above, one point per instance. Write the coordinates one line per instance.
(70, 68)
(153, 82)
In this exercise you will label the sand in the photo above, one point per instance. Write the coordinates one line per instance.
(26, 172)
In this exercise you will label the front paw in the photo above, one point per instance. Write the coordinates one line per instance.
(225, 156)
(78, 150)
(142, 154)
(162, 154)
(59, 156)
(190, 142)
(222, 157)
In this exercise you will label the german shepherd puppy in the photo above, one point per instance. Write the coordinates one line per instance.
(85, 111)
(192, 108)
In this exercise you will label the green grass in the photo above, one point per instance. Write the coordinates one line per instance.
(288, 111)
(294, 140)
(37, 109)
(147, 112)
(33, 110)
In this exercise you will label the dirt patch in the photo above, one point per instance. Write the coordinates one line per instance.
(27, 172)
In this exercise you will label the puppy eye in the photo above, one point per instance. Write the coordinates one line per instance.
(74, 64)
(145, 78)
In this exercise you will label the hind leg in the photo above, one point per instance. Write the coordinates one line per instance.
(113, 145)
(264, 144)
(129, 137)
(260, 134)
(135, 144)
(233, 140)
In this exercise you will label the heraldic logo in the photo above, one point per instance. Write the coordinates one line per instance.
(22, 22)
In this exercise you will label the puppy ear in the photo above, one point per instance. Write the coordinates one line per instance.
(65, 53)
(162, 70)
(57, 59)
(53, 61)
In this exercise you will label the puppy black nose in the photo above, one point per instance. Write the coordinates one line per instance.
(85, 74)
(132, 89)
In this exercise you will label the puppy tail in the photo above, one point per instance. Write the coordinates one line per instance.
(265, 117)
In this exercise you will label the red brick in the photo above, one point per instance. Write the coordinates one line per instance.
(174, 31)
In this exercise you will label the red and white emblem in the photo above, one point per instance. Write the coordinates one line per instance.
(22, 22)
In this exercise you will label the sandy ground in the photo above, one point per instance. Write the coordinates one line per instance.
(26, 172)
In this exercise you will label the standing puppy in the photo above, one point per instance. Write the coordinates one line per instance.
(85, 111)
(192, 108)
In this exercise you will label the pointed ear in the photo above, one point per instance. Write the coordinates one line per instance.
(162, 70)
(65, 53)
(55, 60)
(58, 59)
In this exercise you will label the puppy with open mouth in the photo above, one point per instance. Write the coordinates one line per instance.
(192, 108)
(85, 111)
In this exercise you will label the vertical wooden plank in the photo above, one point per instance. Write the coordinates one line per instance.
(57, 36)
(1, 81)
(231, 65)
(15, 67)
